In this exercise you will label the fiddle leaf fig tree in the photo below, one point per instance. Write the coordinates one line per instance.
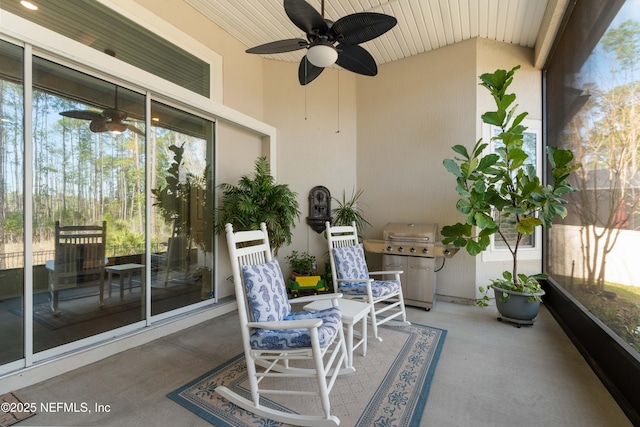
(500, 190)
(257, 198)
(180, 195)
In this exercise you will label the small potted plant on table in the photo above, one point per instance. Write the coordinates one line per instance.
(302, 276)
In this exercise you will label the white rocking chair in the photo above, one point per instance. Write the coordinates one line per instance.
(352, 278)
(275, 339)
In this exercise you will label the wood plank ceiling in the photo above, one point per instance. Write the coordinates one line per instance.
(423, 25)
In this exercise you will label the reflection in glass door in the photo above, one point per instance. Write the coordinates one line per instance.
(181, 213)
(88, 205)
(11, 203)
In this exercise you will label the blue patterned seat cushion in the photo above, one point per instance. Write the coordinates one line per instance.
(351, 264)
(266, 292)
(379, 288)
(299, 338)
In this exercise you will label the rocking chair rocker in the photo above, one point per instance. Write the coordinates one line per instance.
(275, 340)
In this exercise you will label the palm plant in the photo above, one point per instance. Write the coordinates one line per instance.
(255, 199)
(348, 211)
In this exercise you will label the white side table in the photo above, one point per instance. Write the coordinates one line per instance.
(122, 270)
(352, 313)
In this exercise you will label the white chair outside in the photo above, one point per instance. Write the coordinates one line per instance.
(278, 343)
(79, 259)
(352, 278)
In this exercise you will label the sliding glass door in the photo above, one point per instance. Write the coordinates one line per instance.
(11, 203)
(120, 214)
(182, 208)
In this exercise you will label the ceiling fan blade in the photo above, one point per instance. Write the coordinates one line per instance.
(134, 129)
(279, 46)
(305, 17)
(361, 27)
(356, 59)
(82, 114)
(98, 125)
(307, 72)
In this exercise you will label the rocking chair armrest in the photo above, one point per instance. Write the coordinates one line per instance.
(386, 272)
(287, 324)
(312, 298)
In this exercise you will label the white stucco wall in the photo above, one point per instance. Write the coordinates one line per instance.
(409, 117)
(316, 140)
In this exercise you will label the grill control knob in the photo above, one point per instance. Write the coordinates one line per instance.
(425, 251)
(413, 250)
(400, 249)
(389, 248)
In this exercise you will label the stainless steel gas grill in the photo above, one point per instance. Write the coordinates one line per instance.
(413, 249)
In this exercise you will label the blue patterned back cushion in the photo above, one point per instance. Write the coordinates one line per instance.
(266, 292)
(350, 264)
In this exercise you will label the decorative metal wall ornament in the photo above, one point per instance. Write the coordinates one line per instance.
(319, 208)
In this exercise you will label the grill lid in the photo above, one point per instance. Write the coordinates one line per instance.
(410, 232)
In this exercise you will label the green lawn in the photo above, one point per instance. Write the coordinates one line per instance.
(621, 313)
(629, 293)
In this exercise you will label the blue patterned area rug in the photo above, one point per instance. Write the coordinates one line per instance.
(389, 388)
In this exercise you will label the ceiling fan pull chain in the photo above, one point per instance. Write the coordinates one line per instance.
(305, 102)
(305, 89)
(338, 100)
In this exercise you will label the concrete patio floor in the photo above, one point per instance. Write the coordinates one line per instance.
(489, 374)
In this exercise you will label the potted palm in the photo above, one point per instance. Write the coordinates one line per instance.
(256, 199)
(348, 211)
(501, 190)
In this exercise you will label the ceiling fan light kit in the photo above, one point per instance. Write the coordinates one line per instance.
(323, 35)
(115, 127)
(322, 55)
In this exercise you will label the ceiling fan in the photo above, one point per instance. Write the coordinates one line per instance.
(109, 120)
(323, 34)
